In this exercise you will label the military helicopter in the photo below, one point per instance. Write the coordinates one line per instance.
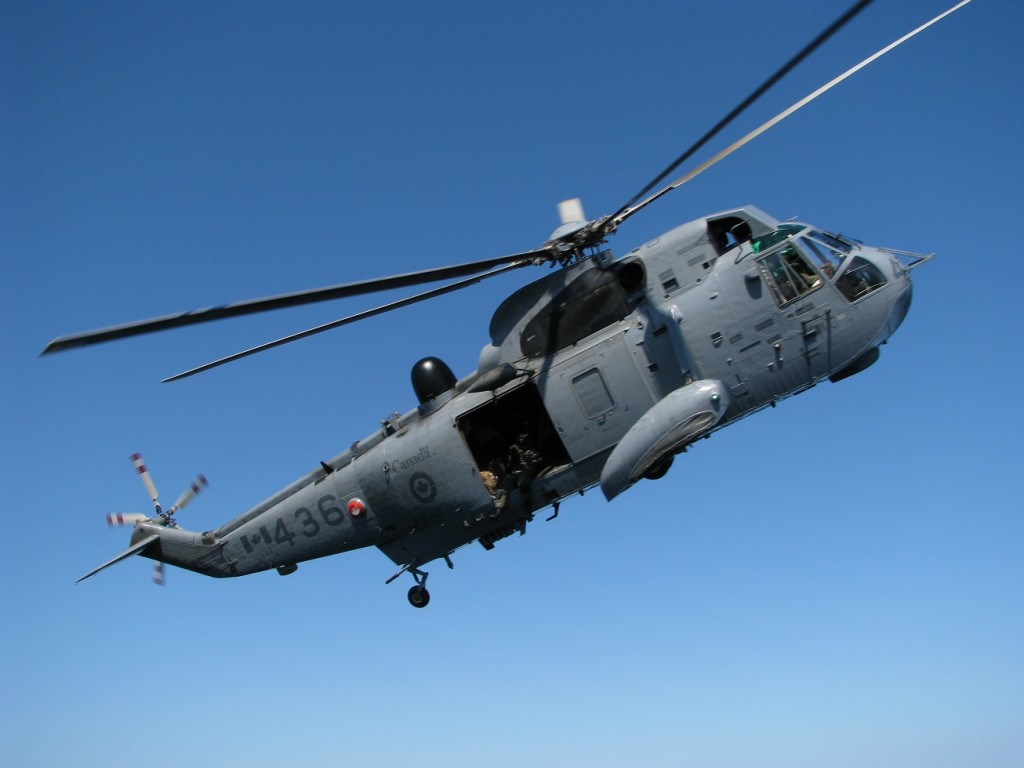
(597, 374)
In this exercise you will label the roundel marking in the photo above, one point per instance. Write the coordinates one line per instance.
(422, 486)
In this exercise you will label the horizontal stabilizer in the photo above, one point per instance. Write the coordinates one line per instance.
(134, 549)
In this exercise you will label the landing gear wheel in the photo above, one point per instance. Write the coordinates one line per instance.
(418, 597)
(660, 469)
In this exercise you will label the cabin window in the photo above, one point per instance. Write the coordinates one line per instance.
(788, 274)
(592, 393)
(860, 278)
(592, 301)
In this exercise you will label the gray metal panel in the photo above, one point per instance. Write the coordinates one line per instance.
(422, 484)
(583, 430)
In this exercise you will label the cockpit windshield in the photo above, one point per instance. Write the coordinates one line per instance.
(828, 251)
(834, 242)
(791, 270)
(825, 259)
(787, 273)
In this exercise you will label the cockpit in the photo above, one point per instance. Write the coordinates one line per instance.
(795, 259)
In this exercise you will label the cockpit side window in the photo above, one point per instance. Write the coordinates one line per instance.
(728, 232)
(788, 274)
(860, 278)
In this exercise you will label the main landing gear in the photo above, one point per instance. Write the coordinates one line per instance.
(418, 595)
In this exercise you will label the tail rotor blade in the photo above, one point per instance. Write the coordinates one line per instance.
(147, 481)
(190, 493)
(158, 574)
(115, 519)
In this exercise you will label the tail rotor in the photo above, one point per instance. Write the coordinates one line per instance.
(163, 517)
(166, 516)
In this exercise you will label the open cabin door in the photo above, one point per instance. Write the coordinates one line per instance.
(491, 429)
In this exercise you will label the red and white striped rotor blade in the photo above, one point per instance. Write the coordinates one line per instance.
(190, 493)
(140, 465)
(158, 574)
(119, 518)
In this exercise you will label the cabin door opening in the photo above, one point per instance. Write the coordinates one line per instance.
(492, 429)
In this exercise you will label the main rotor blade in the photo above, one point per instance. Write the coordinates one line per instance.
(353, 318)
(626, 212)
(285, 300)
(758, 92)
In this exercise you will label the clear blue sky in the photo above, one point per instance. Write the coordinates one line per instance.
(834, 582)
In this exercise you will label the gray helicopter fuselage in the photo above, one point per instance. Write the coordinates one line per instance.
(608, 367)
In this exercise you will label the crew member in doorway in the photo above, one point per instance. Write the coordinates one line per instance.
(524, 461)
